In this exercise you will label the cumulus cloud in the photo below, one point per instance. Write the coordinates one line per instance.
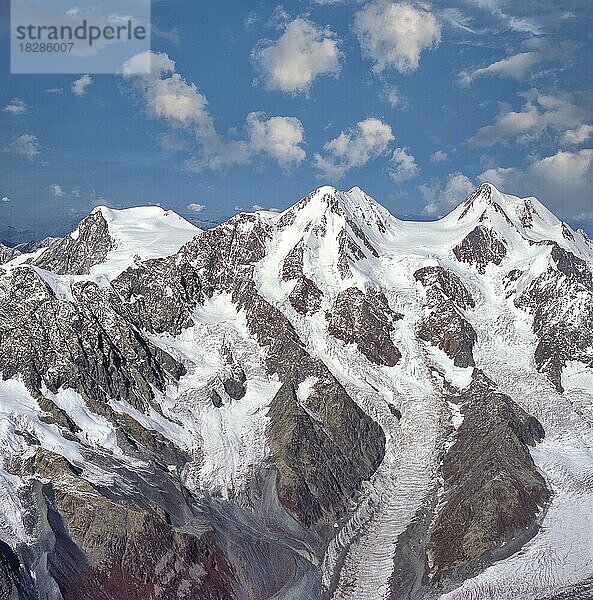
(439, 199)
(541, 113)
(404, 166)
(394, 34)
(303, 53)
(54, 90)
(278, 137)
(79, 86)
(166, 95)
(355, 147)
(25, 144)
(580, 135)
(439, 156)
(56, 190)
(194, 207)
(16, 107)
(563, 181)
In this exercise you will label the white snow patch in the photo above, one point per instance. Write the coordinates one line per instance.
(96, 431)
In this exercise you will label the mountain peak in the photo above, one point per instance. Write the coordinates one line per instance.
(108, 241)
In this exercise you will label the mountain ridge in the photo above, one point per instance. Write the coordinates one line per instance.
(324, 402)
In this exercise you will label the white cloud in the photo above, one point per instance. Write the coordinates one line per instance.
(194, 207)
(80, 85)
(520, 65)
(16, 107)
(542, 112)
(279, 137)
(394, 34)
(391, 95)
(174, 99)
(574, 137)
(257, 207)
(439, 156)
(562, 181)
(165, 94)
(54, 90)
(440, 200)
(515, 67)
(148, 63)
(25, 144)
(5, 199)
(404, 166)
(354, 148)
(56, 190)
(303, 52)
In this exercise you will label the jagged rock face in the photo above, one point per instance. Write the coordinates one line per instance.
(322, 444)
(305, 297)
(260, 414)
(77, 253)
(365, 319)
(445, 325)
(7, 253)
(158, 295)
(9, 572)
(481, 247)
(82, 344)
(492, 492)
(563, 327)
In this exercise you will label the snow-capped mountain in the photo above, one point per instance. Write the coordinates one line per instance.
(323, 403)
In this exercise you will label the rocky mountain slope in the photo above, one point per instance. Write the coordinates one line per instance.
(322, 403)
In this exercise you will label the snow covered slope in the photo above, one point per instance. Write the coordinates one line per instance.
(326, 402)
(109, 241)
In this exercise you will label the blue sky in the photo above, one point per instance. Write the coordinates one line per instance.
(258, 103)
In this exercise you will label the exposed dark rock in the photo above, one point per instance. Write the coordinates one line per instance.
(440, 282)
(526, 215)
(324, 446)
(348, 251)
(9, 573)
(75, 255)
(493, 492)
(394, 411)
(365, 319)
(7, 253)
(234, 386)
(99, 354)
(159, 295)
(292, 267)
(305, 297)
(481, 247)
(323, 450)
(566, 232)
(216, 399)
(484, 191)
(445, 326)
(564, 330)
